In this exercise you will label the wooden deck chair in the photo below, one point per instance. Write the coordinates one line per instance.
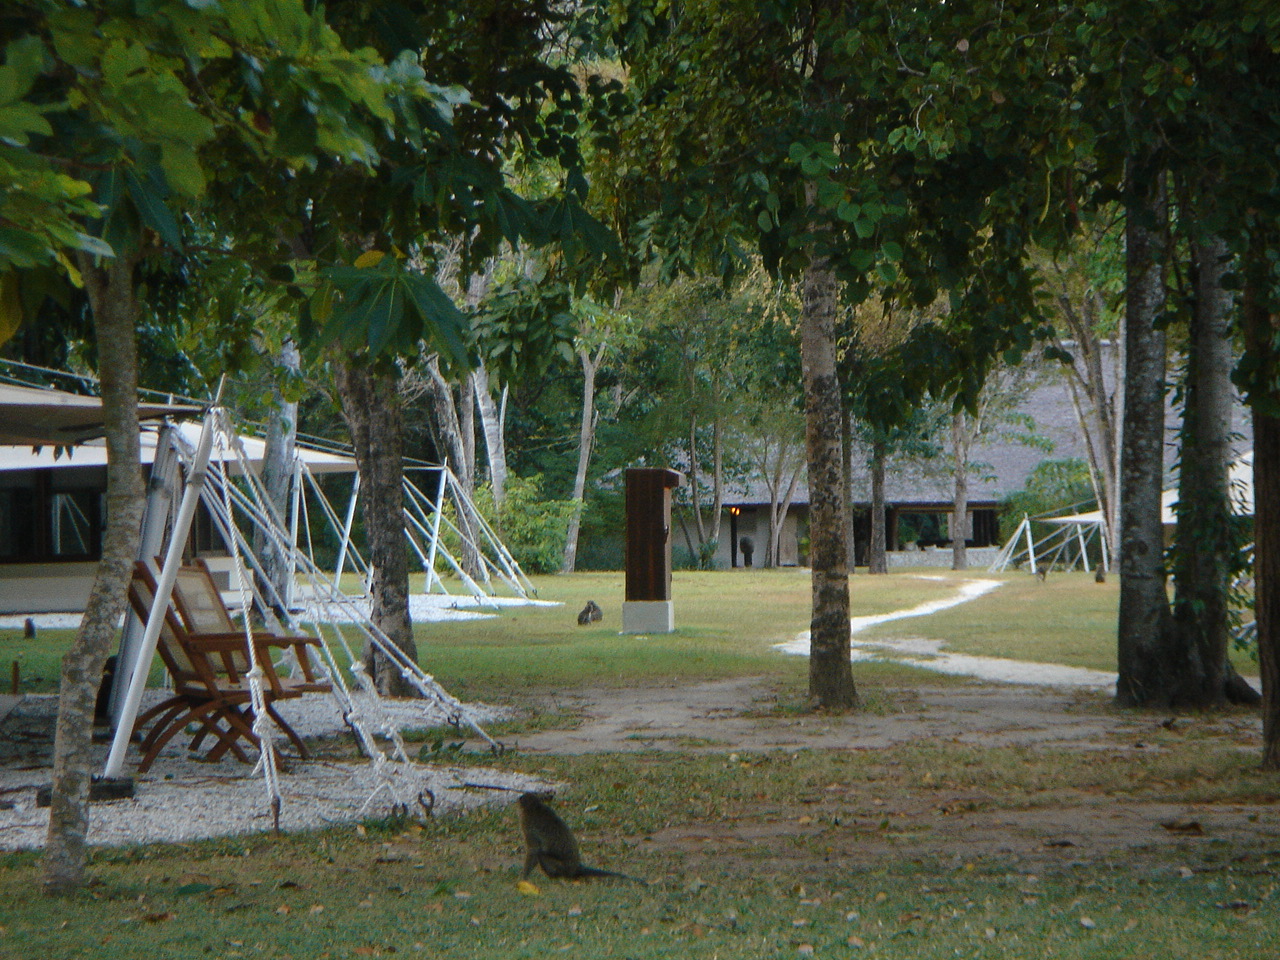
(209, 668)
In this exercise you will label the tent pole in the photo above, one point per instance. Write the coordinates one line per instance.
(291, 584)
(1084, 556)
(160, 602)
(1031, 547)
(346, 530)
(435, 534)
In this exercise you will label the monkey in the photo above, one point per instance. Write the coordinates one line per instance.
(590, 613)
(549, 844)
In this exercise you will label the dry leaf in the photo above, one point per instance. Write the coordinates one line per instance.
(1087, 923)
(316, 908)
(283, 910)
(856, 942)
(528, 888)
(805, 949)
(1190, 827)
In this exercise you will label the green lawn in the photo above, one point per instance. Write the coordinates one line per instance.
(726, 625)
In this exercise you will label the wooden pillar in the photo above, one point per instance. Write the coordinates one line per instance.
(648, 607)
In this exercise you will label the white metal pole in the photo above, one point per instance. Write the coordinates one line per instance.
(1084, 555)
(1031, 547)
(435, 533)
(1106, 554)
(346, 531)
(160, 603)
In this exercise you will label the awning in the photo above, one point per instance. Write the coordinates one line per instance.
(31, 416)
(93, 453)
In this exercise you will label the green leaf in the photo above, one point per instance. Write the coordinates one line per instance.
(148, 198)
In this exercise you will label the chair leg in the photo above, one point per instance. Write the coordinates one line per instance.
(288, 731)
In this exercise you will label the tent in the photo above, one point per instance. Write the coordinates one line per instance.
(1068, 544)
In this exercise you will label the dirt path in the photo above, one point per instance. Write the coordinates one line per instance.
(859, 823)
(742, 714)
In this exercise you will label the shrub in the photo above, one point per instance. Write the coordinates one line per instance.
(533, 528)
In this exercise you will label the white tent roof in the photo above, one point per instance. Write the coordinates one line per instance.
(93, 453)
(1240, 478)
(36, 416)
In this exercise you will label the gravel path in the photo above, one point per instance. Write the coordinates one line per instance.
(181, 799)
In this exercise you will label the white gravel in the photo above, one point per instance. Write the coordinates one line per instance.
(181, 799)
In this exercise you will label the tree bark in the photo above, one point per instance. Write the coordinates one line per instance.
(1206, 545)
(1144, 606)
(830, 672)
(494, 441)
(846, 485)
(960, 492)
(277, 477)
(1261, 326)
(586, 440)
(877, 555)
(371, 407)
(113, 301)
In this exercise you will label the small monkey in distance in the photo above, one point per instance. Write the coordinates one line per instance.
(549, 844)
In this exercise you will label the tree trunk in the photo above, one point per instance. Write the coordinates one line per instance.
(1144, 606)
(877, 555)
(960, 492)
(830, 672)
(846, 485)
(277, 477)
(586, 440)
(1206, 544)
(112, 298)
(371, 407)
(1260, 325)
(494, 442)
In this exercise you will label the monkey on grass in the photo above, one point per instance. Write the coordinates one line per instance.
(549, 844)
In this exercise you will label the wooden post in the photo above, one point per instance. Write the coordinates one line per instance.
(648, 607)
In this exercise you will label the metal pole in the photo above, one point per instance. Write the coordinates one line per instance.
(1031, 547)
(1084, 555)
(160, 603)
(346, 531)
(435, 534)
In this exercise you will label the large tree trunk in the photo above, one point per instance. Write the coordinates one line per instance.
(277, 477)
(494, 441)
(1205, 557)
(830, 672)
(877, 554)
(1261, 325)
(960, 492)
(846, 485)
(115, 311)
(586, 440)
(1144, 605)
(371, 407)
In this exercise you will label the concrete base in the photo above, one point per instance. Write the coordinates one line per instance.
(648, 616)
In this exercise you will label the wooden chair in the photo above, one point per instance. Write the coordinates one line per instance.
(207, 656)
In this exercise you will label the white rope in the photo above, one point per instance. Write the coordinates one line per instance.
(370, 716)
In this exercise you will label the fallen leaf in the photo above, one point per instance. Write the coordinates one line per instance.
(574, 912)
(856, 943)
(158, 917)
(1131, 924)
(360, 831)
(1190, 827)
(1186, 872)
(316, 908)
(528, 888)
(283, 910)
(1087, 923)
(805, 949)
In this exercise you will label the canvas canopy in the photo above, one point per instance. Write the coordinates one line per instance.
(93, 453)
(33, 416)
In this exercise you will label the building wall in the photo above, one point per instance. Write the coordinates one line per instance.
(753, 522)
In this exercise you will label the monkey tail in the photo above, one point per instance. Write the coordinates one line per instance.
(595, 872)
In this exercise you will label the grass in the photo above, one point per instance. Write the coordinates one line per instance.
(830, 862)
(841, 853)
